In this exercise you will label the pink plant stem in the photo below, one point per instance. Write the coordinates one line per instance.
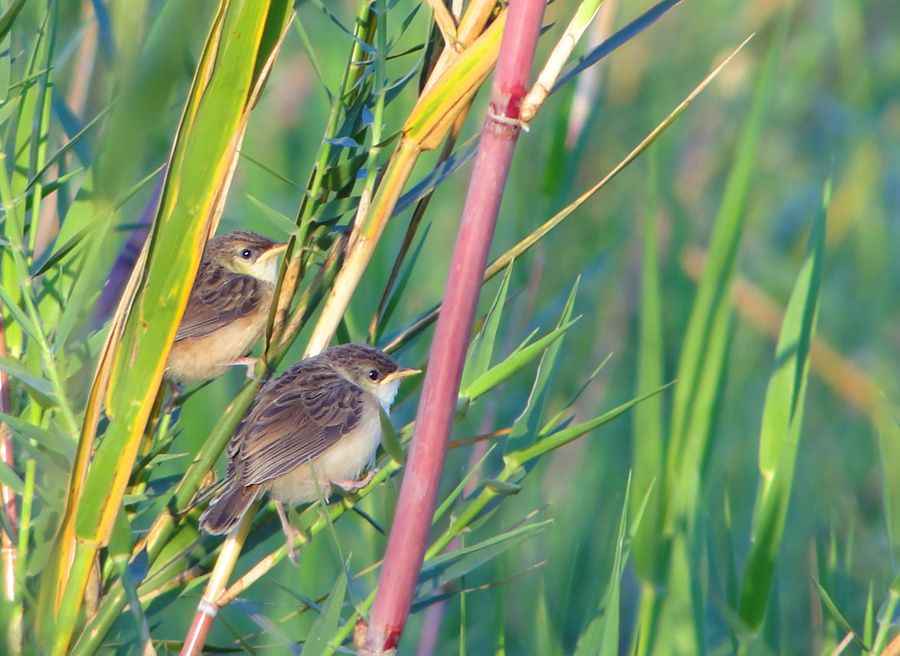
(7, 497)
(409, 534)
(196, 636)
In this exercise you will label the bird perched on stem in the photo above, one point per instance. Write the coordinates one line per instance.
(315, 426)
(228, 306)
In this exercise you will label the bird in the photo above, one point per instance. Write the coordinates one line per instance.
(227, 308)
(315, 427)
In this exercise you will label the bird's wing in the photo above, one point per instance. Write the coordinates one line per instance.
(294, 421)
(219, 297)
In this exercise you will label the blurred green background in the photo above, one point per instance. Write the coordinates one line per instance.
(834, 110)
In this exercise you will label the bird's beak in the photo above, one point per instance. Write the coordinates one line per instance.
(272, 252)
(400, 374)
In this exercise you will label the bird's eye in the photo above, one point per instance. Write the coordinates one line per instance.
(373, 374)
(246, 253)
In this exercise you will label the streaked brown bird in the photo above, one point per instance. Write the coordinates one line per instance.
(228, 306)
(315, 426)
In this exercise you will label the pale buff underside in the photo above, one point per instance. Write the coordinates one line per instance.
(342, 463)
(198, 359)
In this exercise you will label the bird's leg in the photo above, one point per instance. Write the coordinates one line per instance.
(248, 362)
(355, 486)
(290, 533)
(175, 398)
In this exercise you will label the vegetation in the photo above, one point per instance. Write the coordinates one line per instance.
(674, 430)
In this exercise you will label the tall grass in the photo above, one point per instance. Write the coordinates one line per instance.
(736, 503)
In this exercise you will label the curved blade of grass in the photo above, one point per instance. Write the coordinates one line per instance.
(515, 362)
(602, 634)
(451, 566)
(327, 623)
(481, 348)
(527, 424)
(780, 432)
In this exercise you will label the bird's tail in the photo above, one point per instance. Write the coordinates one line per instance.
(227, 508)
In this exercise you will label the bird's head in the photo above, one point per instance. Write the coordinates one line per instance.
(247, 253)
(367, 367)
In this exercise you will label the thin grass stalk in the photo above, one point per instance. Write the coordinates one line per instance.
(39, 153)
(15, 628)
(16, 249)
(7, 496)
(409, 534)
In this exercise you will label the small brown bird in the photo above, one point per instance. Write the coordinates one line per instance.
(228, 306)
(315, 426)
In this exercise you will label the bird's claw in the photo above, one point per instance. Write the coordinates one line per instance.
(250, 363)
(292, 551)
(355, 486)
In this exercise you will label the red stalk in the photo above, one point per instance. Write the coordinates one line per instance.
(7, 497)
(196, 635)
(409, 534)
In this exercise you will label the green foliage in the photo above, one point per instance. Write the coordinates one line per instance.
(118, 119)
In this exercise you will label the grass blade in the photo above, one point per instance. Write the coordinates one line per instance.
(781, 424)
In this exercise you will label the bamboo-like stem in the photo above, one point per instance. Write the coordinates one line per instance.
(409, 534)
(444, 20)
(583, 17)
(470, 26)
(208, 606)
